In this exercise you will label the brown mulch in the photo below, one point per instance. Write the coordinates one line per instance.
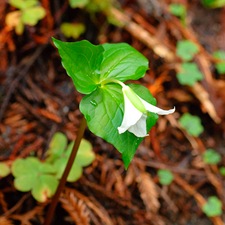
(37, 99)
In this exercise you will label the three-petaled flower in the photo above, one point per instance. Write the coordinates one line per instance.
(135, 113)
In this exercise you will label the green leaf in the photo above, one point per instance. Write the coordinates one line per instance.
(44, 187)
(189, 74)
(31, 16)
(165, 176)
(122, 62)
(89, 65)
(4, 169)
(177, 9)
(103, 110)
(186, 50)
(213, 207)
(72, 30)
(213, 3)
(57, 146)
(220, 66)
(210, 156)
(78, 3)
(192, 124)
(222, 170)
(82, 62)
(85, 155)
(23, 4)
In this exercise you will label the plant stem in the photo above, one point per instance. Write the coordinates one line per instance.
(62, 182)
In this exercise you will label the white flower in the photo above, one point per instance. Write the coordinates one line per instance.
(135, 113)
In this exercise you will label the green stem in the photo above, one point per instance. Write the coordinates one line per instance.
(113, 81)
(72, 157)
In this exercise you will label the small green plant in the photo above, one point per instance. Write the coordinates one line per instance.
(42, 178)
(59, 152)
(186, 50)
(213, 207)
(220, 66)
(192, 124)
(222, 170)
(165, 176)
(121, 114)
(71, 30)
(4, 169)
(213, 3)
(189, 74)
(210, 156)
(29, 13)
(178, 10)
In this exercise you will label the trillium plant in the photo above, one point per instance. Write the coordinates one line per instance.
(122, 114)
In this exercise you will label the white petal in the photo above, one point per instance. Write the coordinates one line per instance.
(139, 128)
(130, 117)
(154, 109)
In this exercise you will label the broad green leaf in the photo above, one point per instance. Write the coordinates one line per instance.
(210, 156)
(31, 16)
(189, 74)
(23, 4)
(44, 188)
(213, 207)
(89, 65)
(122, 62)
(192, 124)
(220, 66)
(4, 170)
(165, 176)
(72, 30)
(78, 3)
(103, 110)
(82, 61)
(186, 50)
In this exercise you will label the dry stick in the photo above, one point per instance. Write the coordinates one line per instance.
(72, 157)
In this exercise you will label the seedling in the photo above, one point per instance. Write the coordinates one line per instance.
(178, 10)
(189, 74)
(29, 13)
(4, 169)
(220, 66)
(186, 50)
(59, 152)
(42, 178)
(213, 3)
(71, 30)
(165, 176)
(192, 124)
(210, 156)
(213, 207)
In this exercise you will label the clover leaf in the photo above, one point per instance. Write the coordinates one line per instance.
(59, 152)
(192, 124)
(32, 175)
(189, 74)
(4, 169)
(72, 30)
(165, 176)
(213, 207)
(220, 66)
(186, 50)
(210, 156)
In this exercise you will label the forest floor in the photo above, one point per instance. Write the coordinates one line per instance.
(37, 99)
